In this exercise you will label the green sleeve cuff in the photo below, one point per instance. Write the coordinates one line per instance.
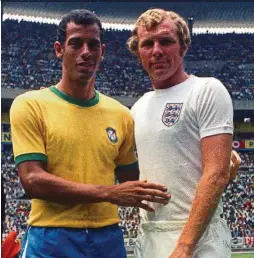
(29, 157)
(127, 167)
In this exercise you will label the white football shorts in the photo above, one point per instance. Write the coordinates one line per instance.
(158, 240)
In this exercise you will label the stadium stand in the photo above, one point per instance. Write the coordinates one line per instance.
(28, 61)
(207, 14)
(238, 205)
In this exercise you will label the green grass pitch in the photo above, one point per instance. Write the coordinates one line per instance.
(243, 255)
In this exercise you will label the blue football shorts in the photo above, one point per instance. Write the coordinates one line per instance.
(49, 242)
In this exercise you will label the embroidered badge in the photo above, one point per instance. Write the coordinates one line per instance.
(171, 113)
(112, 134)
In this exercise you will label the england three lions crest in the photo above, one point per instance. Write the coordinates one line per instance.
(171, 113)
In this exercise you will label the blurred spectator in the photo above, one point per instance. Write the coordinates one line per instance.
(129, 221)
(247, 159)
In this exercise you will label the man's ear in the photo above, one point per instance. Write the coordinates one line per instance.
(183, 51)
(103, 50)
(58, 49)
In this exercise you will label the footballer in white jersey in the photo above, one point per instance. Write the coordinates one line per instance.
(183, 134)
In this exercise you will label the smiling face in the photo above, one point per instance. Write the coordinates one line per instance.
(81, 53)
(160, 52)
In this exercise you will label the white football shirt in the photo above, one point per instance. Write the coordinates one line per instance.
(169, 124)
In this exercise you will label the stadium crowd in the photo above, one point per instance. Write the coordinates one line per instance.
(238, 205)
(237, 201)
(29, 62)
(247, 159)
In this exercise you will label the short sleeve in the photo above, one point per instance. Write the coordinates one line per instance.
(27, 131)
(127, 157)
(214, 109)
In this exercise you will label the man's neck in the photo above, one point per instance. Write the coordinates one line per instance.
(179, 77)
(78, 91)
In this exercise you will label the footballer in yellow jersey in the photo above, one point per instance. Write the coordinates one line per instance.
(81, 141)
(69, 142)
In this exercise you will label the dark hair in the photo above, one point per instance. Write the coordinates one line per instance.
(79, 16)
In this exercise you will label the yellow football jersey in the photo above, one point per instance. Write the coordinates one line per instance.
(79, 140)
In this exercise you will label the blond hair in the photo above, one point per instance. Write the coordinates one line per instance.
(154, 17)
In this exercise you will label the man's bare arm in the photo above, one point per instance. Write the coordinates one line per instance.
(39, 184)
(216, 152)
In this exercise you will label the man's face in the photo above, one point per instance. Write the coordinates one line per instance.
(159, 50)
(81, 52)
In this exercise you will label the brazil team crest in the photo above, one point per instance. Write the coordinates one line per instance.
(111, 134)
(171, 113)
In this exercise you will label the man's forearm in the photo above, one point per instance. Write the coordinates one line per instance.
(43, 185)
(208, 194)
(39, 184)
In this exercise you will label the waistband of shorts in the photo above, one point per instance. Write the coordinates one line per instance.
(164, 226)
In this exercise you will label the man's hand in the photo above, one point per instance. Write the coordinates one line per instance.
(133, 193)
(182, 251)
(234, 164)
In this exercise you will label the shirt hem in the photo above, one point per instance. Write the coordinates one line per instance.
(69, 224)
(215, 131)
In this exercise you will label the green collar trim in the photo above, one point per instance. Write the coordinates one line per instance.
(78, 102)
